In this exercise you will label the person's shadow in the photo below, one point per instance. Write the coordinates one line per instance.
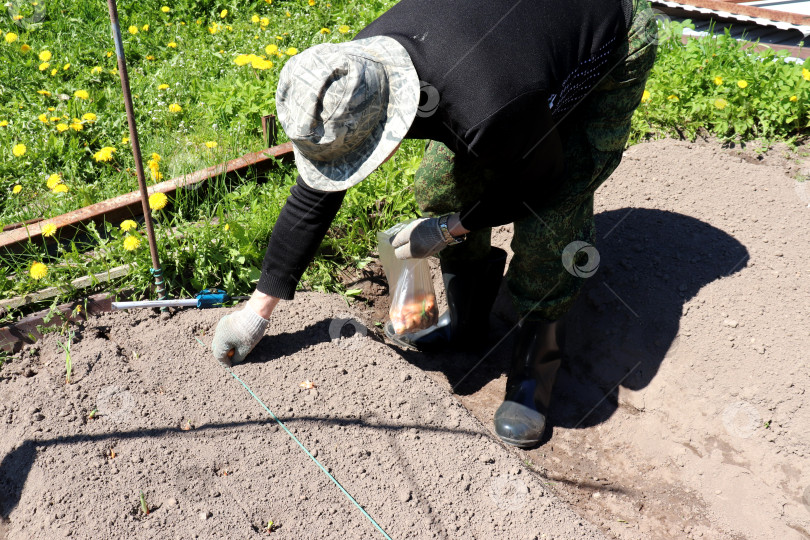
(625, 321)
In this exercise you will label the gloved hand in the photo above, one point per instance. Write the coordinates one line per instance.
(421, 238)
(238, 332)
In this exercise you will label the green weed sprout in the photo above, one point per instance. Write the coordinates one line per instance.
(68, 363)
(271, 526)
(144, 506)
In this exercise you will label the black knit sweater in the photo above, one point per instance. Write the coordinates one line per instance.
(505, 73)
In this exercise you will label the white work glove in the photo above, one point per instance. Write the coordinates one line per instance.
(236, 335)
(419, 239)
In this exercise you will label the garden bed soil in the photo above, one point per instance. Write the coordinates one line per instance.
(212, 463)
(681, 410)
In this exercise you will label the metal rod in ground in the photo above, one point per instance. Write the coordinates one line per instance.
(157, 271)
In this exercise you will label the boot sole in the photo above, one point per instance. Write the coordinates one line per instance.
(519, 442)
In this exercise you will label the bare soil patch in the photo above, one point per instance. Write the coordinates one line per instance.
(681, 410)
(175, 425)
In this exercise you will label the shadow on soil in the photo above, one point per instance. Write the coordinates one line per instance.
(16, 465)
(625, 322)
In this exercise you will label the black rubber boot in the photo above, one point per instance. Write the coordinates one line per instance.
(471, 289)
(521, 418)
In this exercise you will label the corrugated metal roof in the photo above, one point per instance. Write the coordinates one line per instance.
(730, 11)
(802, 7)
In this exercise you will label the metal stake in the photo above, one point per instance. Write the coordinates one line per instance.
(157, 271)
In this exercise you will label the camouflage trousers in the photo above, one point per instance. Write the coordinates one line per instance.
(542, 284)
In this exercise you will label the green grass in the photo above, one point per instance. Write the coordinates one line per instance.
(722, 87)
(217, 237)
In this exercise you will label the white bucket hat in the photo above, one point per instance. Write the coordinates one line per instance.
(345, 107)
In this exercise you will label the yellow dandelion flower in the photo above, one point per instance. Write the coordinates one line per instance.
(150, 57)
(131, 243)
(49, 229)
(54, 71)
(3, 123)
(19, 150)
(25, 48)
(292, 51)
(261, 63)
(806, 74)
(11, 37)
(271, 49)
(76, 126)
(44, 93)
(229, 27)
(211, 144)
(242, 59)
(81, 94)
(62, 127)
(133, 30)
(43, 66)
(90, 117)
(255, 19)
(325, 31)
(61, 188)
(38, 270)
(54, 118)
(105, 154)
(43, 118)
(16, 189)
(311, 2)
(264, 22)
(109, 54)
(54, 180)
(223, 13)
(157, 201)
(171, 45)
(720, 103)
(128, 225)
(145, 28)
(163, 86)
(125, 140)
(742, 83)
(718, 80)
(645, 97)
(344, 29)
(156, 157)
(213, 29)
(96, 70)
(175, 108)
(44, 56)
(157, 176)
(66, 67)
(287, 13)
(673, 97)
(165, 9)
(226, 227)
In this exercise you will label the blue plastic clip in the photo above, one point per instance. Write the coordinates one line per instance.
(212, 298)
